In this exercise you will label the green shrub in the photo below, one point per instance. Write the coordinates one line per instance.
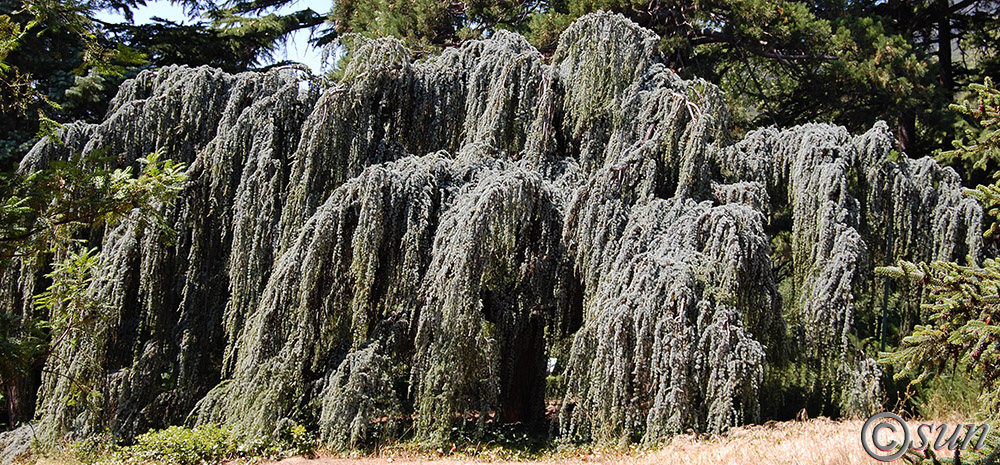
(300, 442)
(210, 444)
(93, 449)
(182, 446)
(555, 386)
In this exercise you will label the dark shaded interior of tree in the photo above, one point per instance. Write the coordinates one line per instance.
(401, 253)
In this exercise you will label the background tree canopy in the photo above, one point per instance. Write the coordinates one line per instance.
(782, 63)
(60, 63)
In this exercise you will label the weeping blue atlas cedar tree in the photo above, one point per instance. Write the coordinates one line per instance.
(400, 252)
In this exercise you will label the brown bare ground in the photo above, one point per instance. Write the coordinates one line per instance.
(814, 442)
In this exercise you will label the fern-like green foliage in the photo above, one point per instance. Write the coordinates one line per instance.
(46, 208)
(71, 308)
(45, 212)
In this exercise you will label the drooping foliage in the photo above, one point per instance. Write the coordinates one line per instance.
(402, 250)
(127, 332)
(777, 61)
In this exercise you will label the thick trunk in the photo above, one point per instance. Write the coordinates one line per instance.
(944, 45)
(7, 415)
(906, 131)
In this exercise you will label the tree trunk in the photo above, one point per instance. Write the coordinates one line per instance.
(906, 132)
(944, 45)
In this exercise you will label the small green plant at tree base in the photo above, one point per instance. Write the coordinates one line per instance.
(181, 446)
(209, 444)
(300, 441)
(93, 450)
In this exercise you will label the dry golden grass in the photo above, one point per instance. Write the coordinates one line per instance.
(814, 442)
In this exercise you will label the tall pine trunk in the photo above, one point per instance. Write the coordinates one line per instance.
(944, 45)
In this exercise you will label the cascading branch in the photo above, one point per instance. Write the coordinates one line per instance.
(401, 251)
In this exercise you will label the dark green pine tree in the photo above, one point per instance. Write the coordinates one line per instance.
(55, 65)
(60, 63)
(963, 302)
(237, 36)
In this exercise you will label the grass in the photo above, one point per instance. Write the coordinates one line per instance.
(817, 441)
